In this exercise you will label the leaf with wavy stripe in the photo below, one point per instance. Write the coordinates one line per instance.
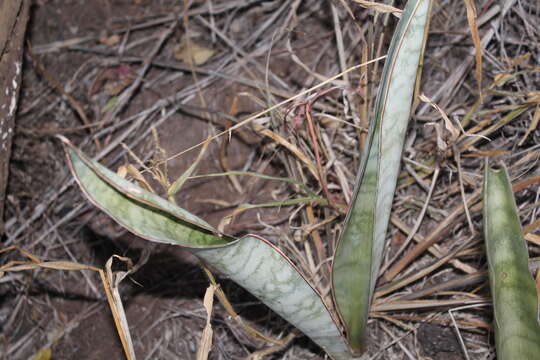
(359, 252)
(252, 262)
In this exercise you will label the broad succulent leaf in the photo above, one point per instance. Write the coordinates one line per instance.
(256, 264)
(252, 262)
(359, 252)
(515, 298)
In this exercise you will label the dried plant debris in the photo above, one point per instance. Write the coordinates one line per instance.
(107, 76)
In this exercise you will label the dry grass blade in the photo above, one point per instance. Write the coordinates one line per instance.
(454, 132)
(175, 187)
(314, 232)
(223, 147)
(405, 280)
(379, 7)
(459, 282)
(457, 157)
(256, 334)
(424, 304)
(124, 170)
(259, 355)
(435, 250)
(113, 279)
(291, 147)
(532, 226)
(278, 105)
(471, 18)
(455, 215)
(205, 343)
(418, 222)
(533, 238)
(433, 237)
(532, 126)
(503, 121)
(110, 284)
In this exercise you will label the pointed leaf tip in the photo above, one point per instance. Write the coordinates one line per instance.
(252, 262)
(359, 252)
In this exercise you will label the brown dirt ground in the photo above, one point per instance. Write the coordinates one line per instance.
(66, 312)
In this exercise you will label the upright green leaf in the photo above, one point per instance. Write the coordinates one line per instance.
(252, 262)
(515, 298)
(358, 255)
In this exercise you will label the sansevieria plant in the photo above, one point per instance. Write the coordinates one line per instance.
(255, 263)
(514, 293)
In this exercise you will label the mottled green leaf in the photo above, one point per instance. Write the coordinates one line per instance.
(252, 262)
(515, 298)
(358, 255)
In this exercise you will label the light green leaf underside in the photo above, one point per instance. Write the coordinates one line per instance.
(252, 262)
(515, 299)
(358, 255)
